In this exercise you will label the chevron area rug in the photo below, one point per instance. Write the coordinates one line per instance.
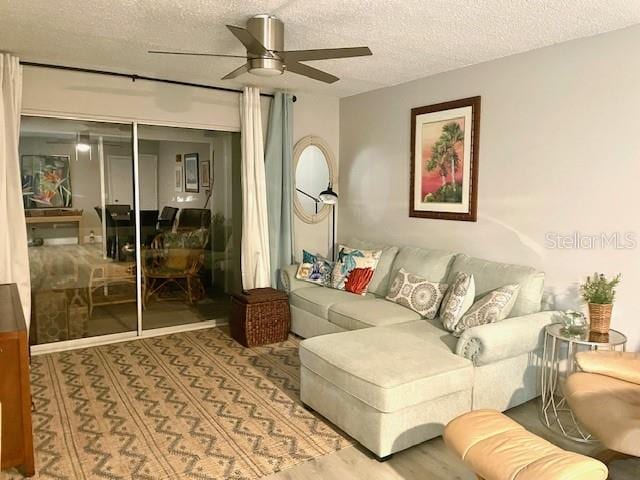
(193, 405)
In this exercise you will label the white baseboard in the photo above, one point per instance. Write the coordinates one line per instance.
(98, 340)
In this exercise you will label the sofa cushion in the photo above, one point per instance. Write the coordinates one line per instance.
(372, 313)
(318, 300)
(489, 275)
(354, 269)
(430, 264)
(458, 300)
(389, 368)
(493, 307)
(382, 277)
(315, 269)
(417, 293)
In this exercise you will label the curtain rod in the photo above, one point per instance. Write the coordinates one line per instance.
(135, 77)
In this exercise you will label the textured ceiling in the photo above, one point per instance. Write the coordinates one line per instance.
(409, 38)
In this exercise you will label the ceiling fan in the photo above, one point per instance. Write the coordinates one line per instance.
(264, 40)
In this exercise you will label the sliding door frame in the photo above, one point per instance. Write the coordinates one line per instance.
(140, 332)
(136, 210)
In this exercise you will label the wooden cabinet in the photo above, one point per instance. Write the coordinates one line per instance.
(15, 391)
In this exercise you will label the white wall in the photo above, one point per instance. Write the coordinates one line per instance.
(93, 96)
(319, 116)
(559, 152)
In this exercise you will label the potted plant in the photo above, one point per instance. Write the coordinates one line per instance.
(599, 293)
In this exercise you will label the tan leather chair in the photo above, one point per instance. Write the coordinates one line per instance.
(497, 448)
(605, 398)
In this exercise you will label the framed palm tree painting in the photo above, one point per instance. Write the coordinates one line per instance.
(444, 160)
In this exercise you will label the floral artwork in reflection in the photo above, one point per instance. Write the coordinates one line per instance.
(46, 181)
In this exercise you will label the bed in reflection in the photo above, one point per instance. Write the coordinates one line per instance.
(68, 282)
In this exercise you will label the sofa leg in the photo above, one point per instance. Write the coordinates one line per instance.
(307, 407)
(383, 459)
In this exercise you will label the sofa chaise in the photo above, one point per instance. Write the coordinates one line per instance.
(391, 379)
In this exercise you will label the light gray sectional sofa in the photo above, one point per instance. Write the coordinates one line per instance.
(391, 379)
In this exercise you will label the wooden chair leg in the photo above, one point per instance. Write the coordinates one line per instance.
(149, 290)
(189, 290)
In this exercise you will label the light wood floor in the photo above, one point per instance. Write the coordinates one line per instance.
(431, 460)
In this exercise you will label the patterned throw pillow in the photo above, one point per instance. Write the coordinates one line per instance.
(491, 308)
(189, 239)
(458, 299)
(180, 247)
(354, 269)
(417, 293)
(308, 257)
(315, 269)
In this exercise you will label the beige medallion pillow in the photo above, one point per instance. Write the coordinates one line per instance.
(417, 293)
(493, 307)
(458, 299)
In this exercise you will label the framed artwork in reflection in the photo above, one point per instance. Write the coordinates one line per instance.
(191, 173)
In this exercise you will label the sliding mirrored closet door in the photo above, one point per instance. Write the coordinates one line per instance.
(131, 227)
(186, 232)
(77, 187)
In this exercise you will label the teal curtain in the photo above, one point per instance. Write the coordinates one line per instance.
(279, 178)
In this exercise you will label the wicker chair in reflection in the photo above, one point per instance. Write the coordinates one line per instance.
(175, 260)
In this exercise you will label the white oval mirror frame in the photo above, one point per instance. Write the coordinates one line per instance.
(303, 143)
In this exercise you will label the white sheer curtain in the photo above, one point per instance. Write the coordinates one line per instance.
(14, 256)
(255, 228)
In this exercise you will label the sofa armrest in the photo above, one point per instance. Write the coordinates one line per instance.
(621, 365)
(508, 338)
(289, 280)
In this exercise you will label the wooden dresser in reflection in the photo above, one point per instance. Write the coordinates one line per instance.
(15, 391)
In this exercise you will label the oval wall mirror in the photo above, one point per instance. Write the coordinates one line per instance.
(314, 167)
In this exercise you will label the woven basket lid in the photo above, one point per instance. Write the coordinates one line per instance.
(260, 295)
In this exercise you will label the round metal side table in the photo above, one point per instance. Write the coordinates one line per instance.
(558, 362)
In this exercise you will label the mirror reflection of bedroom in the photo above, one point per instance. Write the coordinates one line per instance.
(105, 262)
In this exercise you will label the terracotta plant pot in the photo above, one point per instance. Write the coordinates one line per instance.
(600, 317)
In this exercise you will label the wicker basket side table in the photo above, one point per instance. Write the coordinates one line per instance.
(260, 316)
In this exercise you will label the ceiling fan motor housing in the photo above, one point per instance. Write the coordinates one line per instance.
(269, 30)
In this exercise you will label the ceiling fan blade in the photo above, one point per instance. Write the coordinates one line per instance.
(324, 54)
(198, 54)
(251, 43)
(238, 71)
(311, 72)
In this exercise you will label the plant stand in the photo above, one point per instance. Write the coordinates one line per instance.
(558, 362)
